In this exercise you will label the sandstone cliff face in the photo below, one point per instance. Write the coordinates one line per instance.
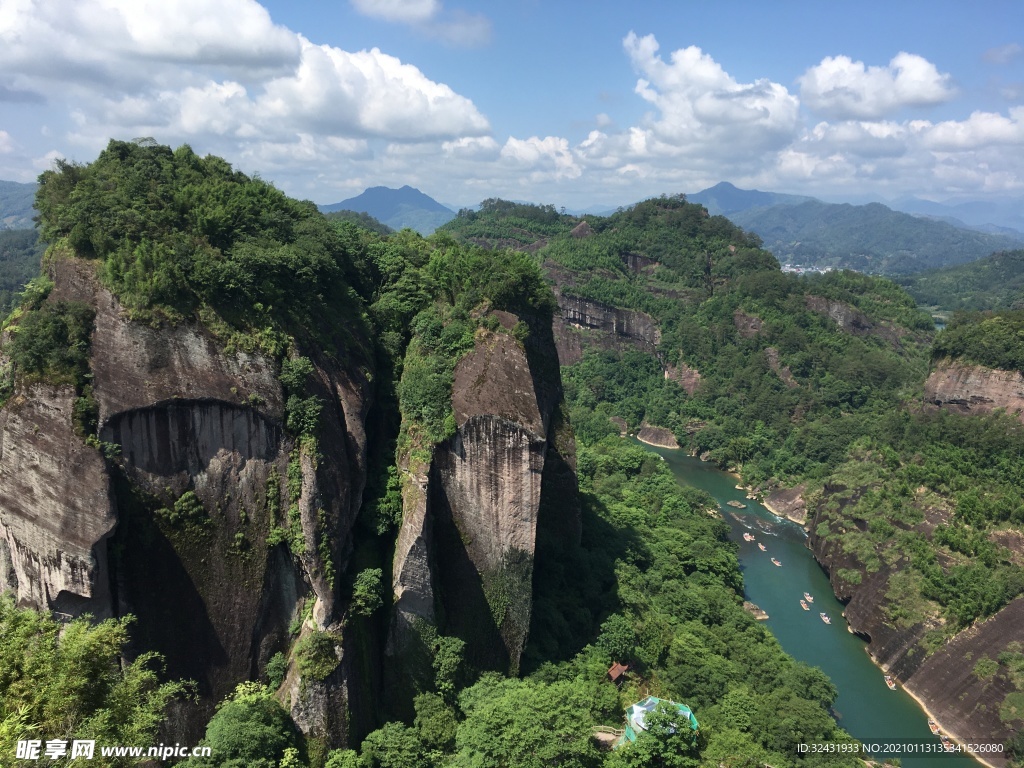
(464, 560)
(187, 418)
(966, 706)
(852, 320)
(55, 507)
(583, 322)
(966, 388)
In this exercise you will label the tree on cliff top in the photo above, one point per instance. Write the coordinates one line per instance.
(179, 235)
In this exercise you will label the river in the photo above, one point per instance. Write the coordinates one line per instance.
(865, 707)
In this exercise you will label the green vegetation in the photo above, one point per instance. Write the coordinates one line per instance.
(361, 220)
(20, 256)
(995, 282)
(70, 682)
(316, 654)
(995, 340)
(179, 236)
(250, 730)
(367, 591)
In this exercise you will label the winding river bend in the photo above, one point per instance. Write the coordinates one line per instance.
(865, 707)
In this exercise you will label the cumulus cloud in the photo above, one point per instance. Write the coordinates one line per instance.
(549, 157)
(189, 70)
(701, 108)
(844, 89)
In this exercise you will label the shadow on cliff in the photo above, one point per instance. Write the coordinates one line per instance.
(152, 583)
(574, 585)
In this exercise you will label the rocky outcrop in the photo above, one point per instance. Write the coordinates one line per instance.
(782, 371)
(638, 264)
(747, 325)
(626, 323)
(657, 436)
(967, 388)
(464, 560)
(788, 503)
(685, 376)
(185, 424)
(851, 320)
(55, 506)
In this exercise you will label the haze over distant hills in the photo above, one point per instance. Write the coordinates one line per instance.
(398, 208)
(867, 238)
(16, 201)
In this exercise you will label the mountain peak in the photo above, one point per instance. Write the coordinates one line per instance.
(398, 208)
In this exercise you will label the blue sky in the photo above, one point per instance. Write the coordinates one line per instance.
(580, 104)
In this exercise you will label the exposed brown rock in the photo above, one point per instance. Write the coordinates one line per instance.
(682, 374)
(186, 417)
(788, 503)
(967, 388)
(747, 325)
(621, 424)
(55, 507)
(471, 520)
(623, 324)
(783, 372)
(637, 263)
(657, 436)
(852, 320)
(583, 229)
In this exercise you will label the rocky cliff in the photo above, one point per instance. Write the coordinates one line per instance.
(945, 679)
(173, 527)
(464, 561)
(582, 321)
(967, 388)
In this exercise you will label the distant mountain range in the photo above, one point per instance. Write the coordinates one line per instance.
(398, 208)
(16, 201)
(868, 238)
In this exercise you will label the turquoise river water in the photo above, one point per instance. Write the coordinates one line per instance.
(865, 707)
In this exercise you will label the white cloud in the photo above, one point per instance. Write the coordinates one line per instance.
(456, 27)
(6, 143)
(980, 130)
(189, 71)
(549, 157)
(701, 109)
(407, 11)
(844, 89)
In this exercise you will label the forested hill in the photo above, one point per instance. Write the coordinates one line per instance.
(868, 238)
(673, 317)
(995, 282)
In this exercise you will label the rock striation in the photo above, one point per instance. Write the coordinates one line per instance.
(464, 561)
(967, 388)
(184, 422)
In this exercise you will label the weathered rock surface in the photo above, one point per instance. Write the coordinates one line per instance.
(748, 325)
(966, 388)
(684, 375)
(788, 503)
(465, 554)
(55, 506)
(658, 436)
(784, 373)
(852, 320)
(619, 328)
(187, 417)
